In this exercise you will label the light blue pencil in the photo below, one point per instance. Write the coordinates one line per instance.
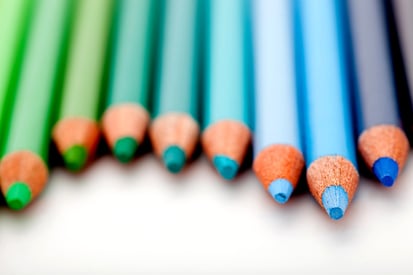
(330, 150)
(226, 114)
(278, 160)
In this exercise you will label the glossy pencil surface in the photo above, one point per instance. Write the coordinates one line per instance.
(278, 159)
(126, 119)
(402, 11)
(132, 52)
(330, 150)
(382, 143)
(28, 136)
(87, 53)
(227, 86)
(14, 15)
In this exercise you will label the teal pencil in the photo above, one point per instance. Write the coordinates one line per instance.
(330, 150)
(126, 118)
(227, 134)
(174, 132)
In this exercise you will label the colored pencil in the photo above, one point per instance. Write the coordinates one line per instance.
(382, 143)
(227, 133)
(126, 118)
(330, 150)
(14, 18)
(23, 170)
(174, 132)
(76, 134)
(402, 22)
(278, 159)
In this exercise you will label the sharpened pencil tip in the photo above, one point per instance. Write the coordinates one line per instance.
(75, 157)
(335, 201)
(125, 149)
(174, 159)
(280, 190)
(386, 171)
(18, 195)
(226, 167)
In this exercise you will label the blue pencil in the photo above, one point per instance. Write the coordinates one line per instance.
(330, 150)
(382, 143)
(278, 161)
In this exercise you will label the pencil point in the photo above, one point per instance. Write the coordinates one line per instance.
(75, 157)
(335, 201)
(18, 195)
(280, 190)
(225, 166)
(386, 170)
(174, 159)
(125, 149)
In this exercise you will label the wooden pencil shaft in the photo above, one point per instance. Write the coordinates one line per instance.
(36, 94)
(376, 97)
(227, 95)
(132, 52)
(177, 87)
(14, 16)
(276, 110)
(87, 53)
(328, 125)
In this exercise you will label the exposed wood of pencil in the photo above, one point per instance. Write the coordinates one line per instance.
(125, 120)
(76, 131)
(278, 162)
(227, 137)
(23, 166)
(171, 129)
(329, 171)
(384, 141)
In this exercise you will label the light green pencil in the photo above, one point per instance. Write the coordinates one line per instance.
(174, 132)
(76, 134)
(126, 118)
(23, 170)
(14, 15)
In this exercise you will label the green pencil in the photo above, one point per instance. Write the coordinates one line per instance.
(14, 16)
(126, 118)
(76, 133)
(174, 132)
(23, 171)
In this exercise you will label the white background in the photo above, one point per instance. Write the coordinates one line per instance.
(115, 219)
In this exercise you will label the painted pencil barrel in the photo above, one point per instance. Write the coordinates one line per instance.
(131, 56)
(76, 133)
(126, 119)
(330, 149)
(177, 78)
(14, 15)
(23, 170)
(278, 160)
(226, 111)
(87, 52)
(403, 14)
(174, 132)
(381, 140)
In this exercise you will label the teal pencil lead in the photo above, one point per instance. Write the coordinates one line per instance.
(174, 159)
(226, 167)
